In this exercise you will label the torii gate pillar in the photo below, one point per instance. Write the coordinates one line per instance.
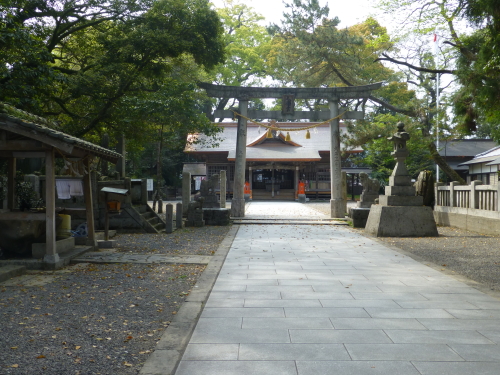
(337, 203)
(332, 94)
(238, 201)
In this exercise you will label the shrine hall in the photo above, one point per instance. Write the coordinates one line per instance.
(275, 162)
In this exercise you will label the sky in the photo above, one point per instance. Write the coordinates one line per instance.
(349, 12)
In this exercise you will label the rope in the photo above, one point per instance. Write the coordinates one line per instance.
(289, 129)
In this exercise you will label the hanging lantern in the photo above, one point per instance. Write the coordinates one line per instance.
(269, 133)
(287, 138)
(308, 135)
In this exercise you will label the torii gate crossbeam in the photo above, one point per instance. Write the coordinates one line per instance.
(332, 94)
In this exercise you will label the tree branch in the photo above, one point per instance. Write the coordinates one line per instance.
(417, 68)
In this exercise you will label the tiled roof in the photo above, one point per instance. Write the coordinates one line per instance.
(465, 147)
(308, 148)
(27, 127)
(487, 156)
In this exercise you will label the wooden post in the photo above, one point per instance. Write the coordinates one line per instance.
(336, 201)
(51, 257)
(11, 184)
(87, 191)
(120, 166)
(238, 202)
(186, 192)
(223, 190)
(296, 182)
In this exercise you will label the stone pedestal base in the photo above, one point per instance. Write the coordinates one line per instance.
(238, 207)
(359, 216)
(109, 244)
(302, 198)
(401, 221)
(216, 216)
(337, 208)
(247, 198)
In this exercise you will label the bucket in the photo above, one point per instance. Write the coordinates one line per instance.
(64, 230)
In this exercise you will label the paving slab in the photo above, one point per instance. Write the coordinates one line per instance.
(323, 299)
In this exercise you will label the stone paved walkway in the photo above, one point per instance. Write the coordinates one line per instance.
(312, 299)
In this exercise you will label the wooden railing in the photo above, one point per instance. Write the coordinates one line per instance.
(475, 196)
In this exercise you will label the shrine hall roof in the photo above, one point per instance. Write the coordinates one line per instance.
(270, 149)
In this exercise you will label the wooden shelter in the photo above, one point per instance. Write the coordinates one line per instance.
(23, 135)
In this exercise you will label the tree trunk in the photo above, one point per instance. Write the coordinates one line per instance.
(447, 170)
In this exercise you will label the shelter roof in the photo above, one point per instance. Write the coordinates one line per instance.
(486, 157)
(465, 147)
(260, 148)
(22, 125)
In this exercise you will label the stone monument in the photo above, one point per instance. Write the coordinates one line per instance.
(207, 191)
(359, 214)
(400, 213)
(195, 214)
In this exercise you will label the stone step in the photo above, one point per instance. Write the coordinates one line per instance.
(147, 215)
(159, 226)
(141, 209)
(8, 272)
(153, 220)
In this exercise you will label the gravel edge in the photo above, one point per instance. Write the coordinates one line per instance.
(170, 349)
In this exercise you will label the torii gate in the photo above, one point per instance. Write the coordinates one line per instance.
(332, 94)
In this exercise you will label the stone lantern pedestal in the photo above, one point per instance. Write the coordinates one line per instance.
(400, 213)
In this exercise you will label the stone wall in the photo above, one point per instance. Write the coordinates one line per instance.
(481, 221)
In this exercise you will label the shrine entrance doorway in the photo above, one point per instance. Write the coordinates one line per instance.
(276, 184)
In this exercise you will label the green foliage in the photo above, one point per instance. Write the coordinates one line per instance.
(377, 148)
(478, 71)
(93, 65)
(247, 46)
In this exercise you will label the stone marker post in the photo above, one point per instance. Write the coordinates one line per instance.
(223, 189)
(160, 206)
(169, 218)
(186, 192)
(178, 216)
(344, 190)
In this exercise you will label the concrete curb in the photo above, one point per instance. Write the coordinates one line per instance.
(170, 348)
(8, 272)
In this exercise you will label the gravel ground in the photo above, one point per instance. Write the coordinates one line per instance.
(98, 318)
(455, 251)
(185, 241)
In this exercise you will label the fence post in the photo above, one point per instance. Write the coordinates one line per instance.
(497, 197)
(452, 193)
(474, 194)
(438, 197)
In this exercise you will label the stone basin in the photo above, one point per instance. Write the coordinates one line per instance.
(19, 230)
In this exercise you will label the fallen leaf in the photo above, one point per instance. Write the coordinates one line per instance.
(40, 356)
(15, 366)
(77, 347)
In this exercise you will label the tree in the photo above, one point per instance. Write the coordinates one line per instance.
(472, 55)
(327, 56)
(247, 45)
(102, 60)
